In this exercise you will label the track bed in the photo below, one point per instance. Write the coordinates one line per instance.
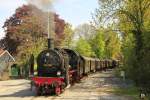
(96, 86)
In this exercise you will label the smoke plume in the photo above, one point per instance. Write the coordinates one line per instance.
(45, 6)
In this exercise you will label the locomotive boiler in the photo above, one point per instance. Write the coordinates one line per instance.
(50, 63)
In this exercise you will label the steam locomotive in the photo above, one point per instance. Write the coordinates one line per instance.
(58, 68)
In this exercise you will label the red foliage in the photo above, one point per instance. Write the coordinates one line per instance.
(26, 11)
(21, 16)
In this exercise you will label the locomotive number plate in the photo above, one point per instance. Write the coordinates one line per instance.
(47, 65)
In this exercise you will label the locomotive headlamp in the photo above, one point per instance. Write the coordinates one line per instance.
(47, 54)
(58, 73)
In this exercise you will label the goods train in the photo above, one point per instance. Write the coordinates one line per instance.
(58, 68)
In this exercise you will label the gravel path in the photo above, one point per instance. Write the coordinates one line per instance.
(96, 86)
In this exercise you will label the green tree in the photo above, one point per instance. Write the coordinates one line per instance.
(112, 45)
(130, 18)
(98, 44)
(129, 55)
(84, 48)
(135, 15)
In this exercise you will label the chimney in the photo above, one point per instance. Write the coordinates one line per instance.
(50, 39)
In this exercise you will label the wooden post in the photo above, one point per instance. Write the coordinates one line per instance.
(123, 75)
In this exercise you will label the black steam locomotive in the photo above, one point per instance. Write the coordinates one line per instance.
(57, 68)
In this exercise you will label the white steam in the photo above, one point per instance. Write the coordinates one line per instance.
(44, 5)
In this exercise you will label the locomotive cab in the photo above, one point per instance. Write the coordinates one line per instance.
(73, 58)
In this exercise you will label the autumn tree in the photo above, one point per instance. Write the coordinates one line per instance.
(59, 30)
(23, 30)
(68, 36)
(26, 31)
(85, 31)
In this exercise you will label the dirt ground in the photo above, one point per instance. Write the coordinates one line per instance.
(96, 86)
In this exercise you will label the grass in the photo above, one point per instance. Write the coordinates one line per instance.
(131, 91)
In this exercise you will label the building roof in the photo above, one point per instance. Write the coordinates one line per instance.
(2, 52)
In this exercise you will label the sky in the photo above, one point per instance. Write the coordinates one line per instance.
(75, 12)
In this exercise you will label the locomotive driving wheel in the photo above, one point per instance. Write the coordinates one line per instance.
(38, 91)
(57, 90)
